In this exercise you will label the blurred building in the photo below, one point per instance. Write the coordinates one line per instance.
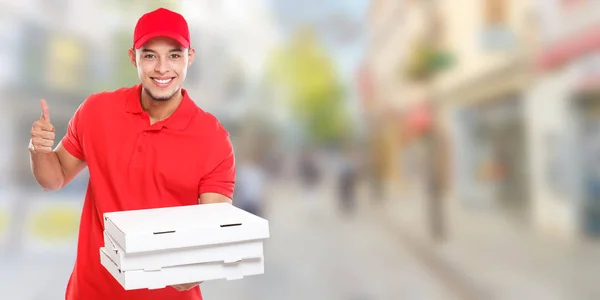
(54, 51)
(467, 67)
(482, 99)
(383, 96)
(563, 108)
(514, 85)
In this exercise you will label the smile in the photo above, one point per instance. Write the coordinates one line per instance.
(162, 81)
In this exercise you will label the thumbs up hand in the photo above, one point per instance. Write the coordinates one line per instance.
(42, 132)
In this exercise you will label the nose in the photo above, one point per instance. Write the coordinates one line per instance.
(162, 65)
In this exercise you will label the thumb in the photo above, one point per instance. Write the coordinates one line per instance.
(45, 110)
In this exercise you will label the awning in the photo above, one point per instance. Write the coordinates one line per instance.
(577, 45)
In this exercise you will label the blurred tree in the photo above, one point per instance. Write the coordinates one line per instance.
(304, 70)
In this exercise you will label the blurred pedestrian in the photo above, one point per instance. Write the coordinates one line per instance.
(347, 183)
(250, 185)
(310, 176)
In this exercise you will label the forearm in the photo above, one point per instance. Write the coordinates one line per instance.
(47, 170)
(208, 198)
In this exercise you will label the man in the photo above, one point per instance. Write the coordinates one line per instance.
(146, 146)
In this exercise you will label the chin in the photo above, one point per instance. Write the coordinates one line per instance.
(161, 95)
(161, 99)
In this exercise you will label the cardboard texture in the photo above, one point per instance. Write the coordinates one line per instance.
(154, 260)
(183, 226)
(141, 279)
(155, 248)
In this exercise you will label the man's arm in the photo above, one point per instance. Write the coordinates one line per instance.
(217, 186)
(54, 169)
(208, 198)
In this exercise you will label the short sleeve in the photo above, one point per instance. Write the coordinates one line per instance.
(72, 139)
(221, 177)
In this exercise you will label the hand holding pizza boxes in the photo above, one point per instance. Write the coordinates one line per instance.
(155, 248)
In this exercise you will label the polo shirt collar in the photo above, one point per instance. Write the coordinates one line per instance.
(178, 120)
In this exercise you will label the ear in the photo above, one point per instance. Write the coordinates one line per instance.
(132, 57)
(191, 55)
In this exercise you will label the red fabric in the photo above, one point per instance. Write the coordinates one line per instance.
(135, 165)
(161, 22)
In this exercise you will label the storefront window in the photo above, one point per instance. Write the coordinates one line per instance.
(496, 33)
(494, 156)
(588, 113)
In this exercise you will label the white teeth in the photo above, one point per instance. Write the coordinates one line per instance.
(163, 81)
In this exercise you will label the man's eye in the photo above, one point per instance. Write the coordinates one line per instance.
(149, 56)
(175, 56)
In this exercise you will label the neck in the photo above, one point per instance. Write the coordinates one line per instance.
(160, 110)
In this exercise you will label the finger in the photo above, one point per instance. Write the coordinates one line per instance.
(44, 126)
(47, 143)
(46, 135)
(185, 286)
(45, 110)
(43, 143)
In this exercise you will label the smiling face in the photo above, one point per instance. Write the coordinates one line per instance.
(162, 67)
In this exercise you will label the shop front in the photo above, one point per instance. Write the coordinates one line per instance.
(587, 110)
(565, 121)
(489, 152)
(492, 155)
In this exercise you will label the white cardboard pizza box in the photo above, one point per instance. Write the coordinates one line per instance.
(154, 260)
(156, 279)
(179, 227)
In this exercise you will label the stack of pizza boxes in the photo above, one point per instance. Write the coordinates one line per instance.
(156, 248)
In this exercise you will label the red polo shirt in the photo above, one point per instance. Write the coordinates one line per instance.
(135, 165)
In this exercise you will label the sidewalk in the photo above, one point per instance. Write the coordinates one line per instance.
(496, 259)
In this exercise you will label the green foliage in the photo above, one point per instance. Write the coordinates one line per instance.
(425, 61)
(305, 70)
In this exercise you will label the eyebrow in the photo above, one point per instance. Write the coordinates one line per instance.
(146, 50)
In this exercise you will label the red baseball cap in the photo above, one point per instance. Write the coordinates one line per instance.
(161, 23)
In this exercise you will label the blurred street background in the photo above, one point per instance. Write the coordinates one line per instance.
(401, 149)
